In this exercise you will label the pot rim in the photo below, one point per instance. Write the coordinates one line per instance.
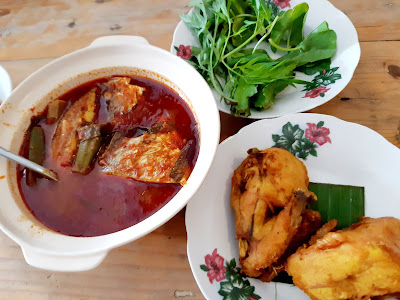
(93, 245)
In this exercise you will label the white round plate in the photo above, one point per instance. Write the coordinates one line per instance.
(324, 85)
(346, 153)
(5, 85)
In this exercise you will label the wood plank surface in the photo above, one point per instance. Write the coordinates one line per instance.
(50, 28)
(43, 28)
(34, 32)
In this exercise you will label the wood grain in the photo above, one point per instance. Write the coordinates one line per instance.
(42, 28)
(21, 69)
(45, 28)
(372, 96)
(34, 32)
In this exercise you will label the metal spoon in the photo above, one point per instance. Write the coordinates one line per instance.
(29, 164)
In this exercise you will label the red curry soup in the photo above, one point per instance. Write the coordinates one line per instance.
(122, 148)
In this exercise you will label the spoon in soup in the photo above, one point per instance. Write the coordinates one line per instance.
(29, 164)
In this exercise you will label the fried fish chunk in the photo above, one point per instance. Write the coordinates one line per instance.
(65, 140)
(122, 96)
(358, 262)
(151, 157)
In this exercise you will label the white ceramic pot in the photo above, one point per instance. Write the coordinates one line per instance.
(111, 55)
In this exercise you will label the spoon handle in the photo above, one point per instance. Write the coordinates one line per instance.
(29, 164)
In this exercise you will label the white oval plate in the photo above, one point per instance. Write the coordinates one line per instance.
(347, 153)
(325, 85)
(5, 85)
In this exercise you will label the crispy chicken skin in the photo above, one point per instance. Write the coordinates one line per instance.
(270, 177)
(310, 223)
(328, 227)
(65, 140)
(263, 184)
(359, 262)
(271, 239)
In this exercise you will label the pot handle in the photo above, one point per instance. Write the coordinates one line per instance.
(62, 263)
(118, 40)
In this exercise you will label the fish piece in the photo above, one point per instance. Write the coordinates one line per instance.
(89, 131)
(122, 97)
(65, 140)
(150, 157)
(358, 262)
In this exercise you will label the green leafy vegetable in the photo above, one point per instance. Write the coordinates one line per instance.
(233, 36)
(289, 28)
(242, 94)
(319, 45)
(266, 97)
(341, 202)
(315, 67)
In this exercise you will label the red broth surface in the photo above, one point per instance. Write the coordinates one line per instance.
(96, 203)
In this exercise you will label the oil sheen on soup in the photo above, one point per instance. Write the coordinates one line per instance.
(122, 148)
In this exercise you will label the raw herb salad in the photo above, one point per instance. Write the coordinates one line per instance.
(233, 36)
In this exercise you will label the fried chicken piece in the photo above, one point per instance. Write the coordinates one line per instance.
(270, 240)
(265, 182)
(270, 176)
(358, 262)
(122, 96)
(328, 227)
(311, 222)
(65, 140)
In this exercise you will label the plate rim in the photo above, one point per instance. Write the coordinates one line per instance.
(286, 118)
(5, 83)
(264, 114)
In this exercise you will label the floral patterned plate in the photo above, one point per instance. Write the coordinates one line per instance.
(334, 151)
(322, 86)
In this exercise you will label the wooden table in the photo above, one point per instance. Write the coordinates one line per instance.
(34, 32)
